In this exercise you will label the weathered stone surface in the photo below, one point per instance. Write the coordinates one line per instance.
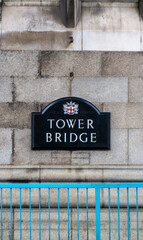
(17, 115)
(122, 197)
(44, 219)
(22, 150)
(80, 158)
(38, 28)
(24, 198)
(31, 2)
(6, 219)
(104, 224)
(122, 64)
(5, 89)
(123, 115)
(117, 174)
(60, 157)
(133, 223)
(136, 146)
(72, 197)
(5, 146)
(41, 90)
(118, 153)
(12, 174)
(53, 198)
(71, 174)
(110, 27)
(18, 63)
(101, 89)
(44, 234)
(104, 215)
(86, 64)
(24, 155)
(6, 234)
(136, 89)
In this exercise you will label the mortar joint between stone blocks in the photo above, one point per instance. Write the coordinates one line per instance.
(13, 89)
(39, 62)
(13, 145)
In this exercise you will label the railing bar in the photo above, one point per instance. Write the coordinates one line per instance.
(58, 214)
(68, 214)
(98, 230)
(128, 212)
(49, 213)
(30, 210)
(137, 213)
(95, 213)
(118, 213)
(109, 213)
(11, 213)
(39, 214)
(1, 217)
(20, 214)
(77, 214)
(87, 211)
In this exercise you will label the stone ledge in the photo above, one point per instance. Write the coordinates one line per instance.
(27, 173)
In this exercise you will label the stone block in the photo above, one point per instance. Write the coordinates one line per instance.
(125, 115)
(41, 90)
(12, 174)
(17, 115)
(124, 174)
(24, 155)
(135, 146)
(122, 197)
(80, 158)
(44, 234)
(103, 31)
(72, 197)
(104, 224)
(60, 157)
(101, 89)
(83, 219)
(6, 219)
(37, 28)
(5, 89)
(136, 89)
(122, 64)
(71, 174)
(6, 235)
(44, 219)
(119, 150)
(104, 215)
(141, 24)
(87, 64)
(133, 221)
(5, 146)
(111, 41)
(53, 198)
(18, 63)
(24, 198)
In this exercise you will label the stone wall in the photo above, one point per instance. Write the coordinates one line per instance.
(73, 224)
(110, 75)
(110, 80)
(103, 26)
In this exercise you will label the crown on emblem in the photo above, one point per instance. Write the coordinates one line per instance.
(70, 108)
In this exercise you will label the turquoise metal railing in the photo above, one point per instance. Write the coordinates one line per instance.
(94, 186)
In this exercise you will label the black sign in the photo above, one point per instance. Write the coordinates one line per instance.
(71, 124)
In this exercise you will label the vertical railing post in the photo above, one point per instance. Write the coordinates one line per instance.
(98, 230)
